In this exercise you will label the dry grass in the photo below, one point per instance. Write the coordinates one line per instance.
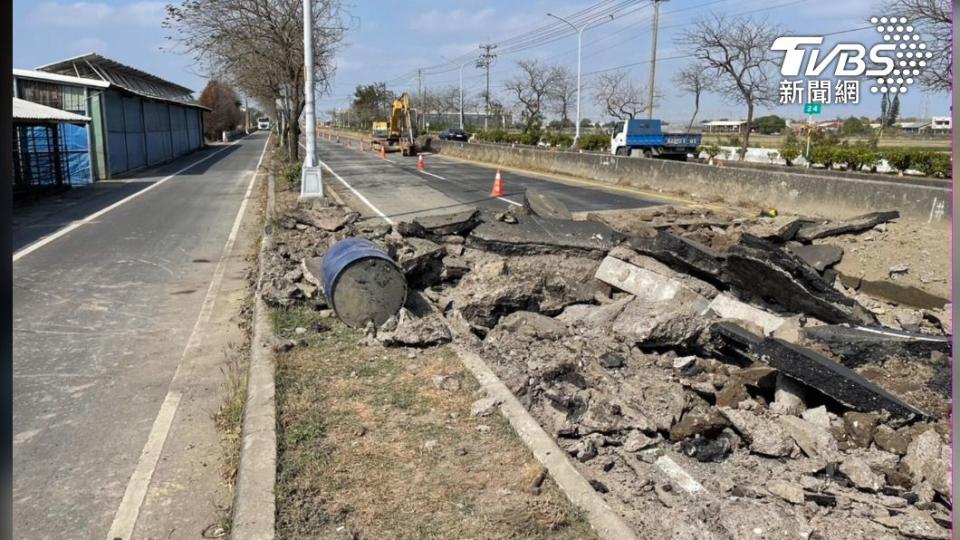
(367, 441)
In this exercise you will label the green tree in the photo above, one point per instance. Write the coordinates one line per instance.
(854, 126)
(893, 113)
(586, 123)
(372, 102)
(769, 125)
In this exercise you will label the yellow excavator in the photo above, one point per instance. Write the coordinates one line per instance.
(400, 131)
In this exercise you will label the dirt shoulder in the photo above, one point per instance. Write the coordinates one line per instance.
(378, 442)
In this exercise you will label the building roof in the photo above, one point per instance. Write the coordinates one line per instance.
(94, 66)
(913, 125)
(55, 77)
(27, 110)
(725, 123)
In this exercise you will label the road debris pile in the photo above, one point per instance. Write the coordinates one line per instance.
(711, 374)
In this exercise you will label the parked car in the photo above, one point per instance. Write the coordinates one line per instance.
(454, 134)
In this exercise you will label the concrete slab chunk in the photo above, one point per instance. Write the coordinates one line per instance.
(640, 282)
(728, 307)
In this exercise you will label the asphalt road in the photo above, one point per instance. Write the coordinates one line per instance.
(102, 319)
(399, 190)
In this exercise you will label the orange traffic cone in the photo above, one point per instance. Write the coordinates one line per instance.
(383, 152)
(497, 185)
(420, 163)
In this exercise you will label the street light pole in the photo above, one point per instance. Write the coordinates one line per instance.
(310, 119)
(579, 32)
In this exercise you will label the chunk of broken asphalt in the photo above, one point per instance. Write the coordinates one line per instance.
(831, 378)
(545, 204)
(854, 224)
(820, 257)
(539, 236)
(680, 253)
(758, 268)
(858, 345)
(809, 368)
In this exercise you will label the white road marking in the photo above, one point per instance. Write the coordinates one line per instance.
(431, 174)
(125, 519)
(77, 224)
(354, 191)
(357, 193)
(504, 199)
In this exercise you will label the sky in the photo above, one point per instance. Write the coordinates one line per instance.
(389, 40)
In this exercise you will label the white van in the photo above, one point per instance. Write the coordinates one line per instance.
(263, 123)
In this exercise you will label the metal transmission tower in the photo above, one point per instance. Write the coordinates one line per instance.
(484, 62)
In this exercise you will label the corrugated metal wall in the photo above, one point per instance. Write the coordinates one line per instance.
(144, 132)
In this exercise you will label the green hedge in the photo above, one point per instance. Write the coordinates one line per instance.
(597, 142)
(859, 156)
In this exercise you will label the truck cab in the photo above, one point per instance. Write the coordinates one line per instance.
(640, 137)
(263, 123)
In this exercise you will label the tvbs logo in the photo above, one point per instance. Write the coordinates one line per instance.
(901, 56)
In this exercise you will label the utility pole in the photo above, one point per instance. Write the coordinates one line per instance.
(246, 118)
(485, 61)
(579, 32)
(420, 99)
(653, 57)
(461, 87)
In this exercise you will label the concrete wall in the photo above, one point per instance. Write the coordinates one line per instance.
(787, 191)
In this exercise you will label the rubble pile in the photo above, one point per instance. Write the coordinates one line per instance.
(710, 374)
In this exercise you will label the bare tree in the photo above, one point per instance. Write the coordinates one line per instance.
(224, 113)
(531, 88)
(619, 96)
(563, 95)
(934, 20)
(258, 46)
(737, 53)
(693, 80)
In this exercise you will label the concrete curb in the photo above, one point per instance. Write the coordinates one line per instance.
(254, 507)
(602, 518)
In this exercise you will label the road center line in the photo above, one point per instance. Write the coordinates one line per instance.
(125, 519)
(77, 224)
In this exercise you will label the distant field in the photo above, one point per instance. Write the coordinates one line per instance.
(775, 141)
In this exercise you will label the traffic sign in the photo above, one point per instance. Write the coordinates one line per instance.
(812, 108)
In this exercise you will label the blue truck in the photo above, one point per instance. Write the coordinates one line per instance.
(646, 138)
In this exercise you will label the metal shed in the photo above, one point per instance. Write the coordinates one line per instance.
(47, 153)
(138, 119)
